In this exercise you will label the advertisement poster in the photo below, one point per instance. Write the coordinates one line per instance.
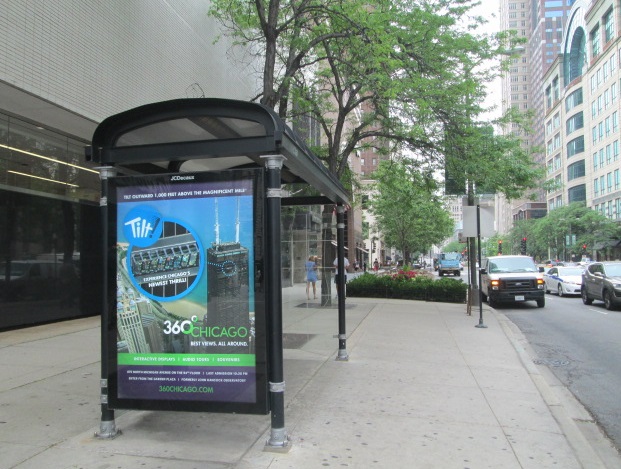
(185, 315)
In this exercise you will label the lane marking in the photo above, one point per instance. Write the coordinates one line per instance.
(598, 311)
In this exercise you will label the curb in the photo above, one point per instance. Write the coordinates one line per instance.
(592, 448)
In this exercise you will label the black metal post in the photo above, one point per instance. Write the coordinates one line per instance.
(278, 436)
(107, 426)
(480, 324)
(340, 286)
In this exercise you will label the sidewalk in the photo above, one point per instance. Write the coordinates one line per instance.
(423, 388)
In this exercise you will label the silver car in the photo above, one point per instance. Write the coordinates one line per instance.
(563, 280)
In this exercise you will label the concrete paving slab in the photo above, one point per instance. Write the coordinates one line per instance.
(422, 388)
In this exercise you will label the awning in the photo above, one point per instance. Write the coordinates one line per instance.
(611, 243)
(209, 134)
(363, 250)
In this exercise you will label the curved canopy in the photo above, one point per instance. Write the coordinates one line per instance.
(202, 134)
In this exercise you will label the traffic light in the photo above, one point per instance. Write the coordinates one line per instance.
(523, 246)
(500, 246)
(584, 246)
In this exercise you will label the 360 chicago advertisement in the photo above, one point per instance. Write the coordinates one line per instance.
(189, 328)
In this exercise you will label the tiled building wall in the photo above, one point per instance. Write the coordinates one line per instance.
(97, 58)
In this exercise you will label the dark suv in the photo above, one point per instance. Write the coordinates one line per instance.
(602, 281)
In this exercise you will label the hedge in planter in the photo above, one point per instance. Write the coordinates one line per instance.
(408, 288)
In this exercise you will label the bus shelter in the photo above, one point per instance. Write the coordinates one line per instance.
(190, 205)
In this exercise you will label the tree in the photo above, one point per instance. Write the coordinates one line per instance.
(408, 212)
(562, 233)
(381, 74)
(376, 73)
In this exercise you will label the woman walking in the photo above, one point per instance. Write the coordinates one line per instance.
(311, 277)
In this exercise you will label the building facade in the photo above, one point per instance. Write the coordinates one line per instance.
(582, 112)
(64, 67)
(541, 24)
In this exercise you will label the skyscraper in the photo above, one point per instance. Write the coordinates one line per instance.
(540, 23)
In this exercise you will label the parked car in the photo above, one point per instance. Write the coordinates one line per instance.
(512, 279)
(563, 280)
(602, 281)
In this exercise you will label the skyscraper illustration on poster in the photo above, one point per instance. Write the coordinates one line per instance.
(227, 286)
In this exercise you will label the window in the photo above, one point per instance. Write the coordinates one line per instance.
(556, 91)
(609, 182)
(602, 185)
(615, 150)
(607, 125)
(594, 109)
(549, 96)
(575, 122)
(575, 170)
(601, 157)
(594, 135)
(576, 194)
(573, 100)
(615, 121)
(575, 146)
(595, 47)
(605, 70)
(617, 176)
(549, 127)
(595, 160)
(613, 92)
(609, 26)
(595, 187)
(557, 141)
(606, 99)
(608, 154)
(600, 130)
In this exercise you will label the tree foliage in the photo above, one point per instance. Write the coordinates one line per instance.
(553, 235)
(407, 210)
(386, 74)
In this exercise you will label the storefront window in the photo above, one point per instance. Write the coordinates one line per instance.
(44, 161)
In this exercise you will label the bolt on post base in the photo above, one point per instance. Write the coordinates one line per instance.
(107, 430)
(278, 441)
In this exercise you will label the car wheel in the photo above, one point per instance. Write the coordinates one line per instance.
(441, 274)
(560, 290)
(541, 303)
(585, 297)
(608, 300)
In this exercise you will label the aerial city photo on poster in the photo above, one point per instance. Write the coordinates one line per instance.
(185, 315)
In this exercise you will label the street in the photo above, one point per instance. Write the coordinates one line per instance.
(582, 347)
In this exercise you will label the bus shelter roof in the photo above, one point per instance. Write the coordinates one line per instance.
(209, 134)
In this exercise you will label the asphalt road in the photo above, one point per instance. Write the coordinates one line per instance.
(582, 347)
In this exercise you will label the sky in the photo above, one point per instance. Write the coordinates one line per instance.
(490, 9)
